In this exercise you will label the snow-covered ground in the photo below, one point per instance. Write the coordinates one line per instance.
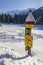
(12, 46)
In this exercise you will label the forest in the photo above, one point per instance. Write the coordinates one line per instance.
(20, 18)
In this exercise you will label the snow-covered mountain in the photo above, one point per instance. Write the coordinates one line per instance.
(12, 12)
(41, 8)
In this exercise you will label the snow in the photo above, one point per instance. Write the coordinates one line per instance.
(12, 46)
(30, 17)
(12, 12)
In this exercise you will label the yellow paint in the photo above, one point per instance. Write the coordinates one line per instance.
(29, 37)
(29, 25)
(28, 43)
(28, 31)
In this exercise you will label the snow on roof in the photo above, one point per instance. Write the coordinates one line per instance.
(30, 18)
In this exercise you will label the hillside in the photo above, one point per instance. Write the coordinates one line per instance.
(25, 11)
(18, 16)
(38, 14)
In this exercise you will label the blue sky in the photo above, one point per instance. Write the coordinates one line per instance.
(7, 5)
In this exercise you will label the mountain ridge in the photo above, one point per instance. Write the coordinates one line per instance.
(12, 12)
